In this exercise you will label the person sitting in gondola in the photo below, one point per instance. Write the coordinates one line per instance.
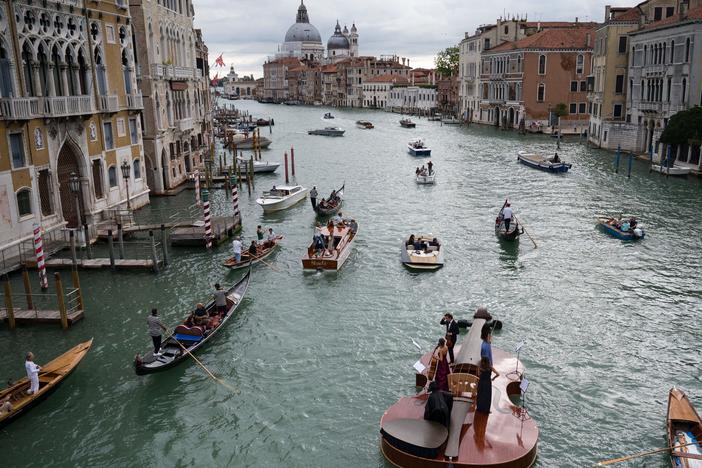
(199, 317)
(5, 405)
(555, 159)
(253, 250)
(332, 196)
(632, 223)
(625, 226)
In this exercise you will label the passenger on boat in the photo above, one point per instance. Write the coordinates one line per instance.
(632, 223)
(220, 298)
(430, 165)
(32, 374)
(442, 366)
(155, 329)
(507, 216)
(625, 226)
(318, 239)
(236, 248)
(435, 242)
(5, 406)
(259, 232)
(253, 250)
(313, 197)
(484, 399)
(452, 332)
(411, 238)
(271, 235)
(555, 159)
(439, 405)
(338, 218)
(332, 196)
(417, 171)
(199, 317)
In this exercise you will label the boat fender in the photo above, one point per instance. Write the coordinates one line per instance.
(638, 232)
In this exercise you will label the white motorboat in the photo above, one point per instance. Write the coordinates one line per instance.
(418, 148)
(675, 170)
(328, 131)
(281, 198)
(426, 178)
(260, 166)
(422, 252)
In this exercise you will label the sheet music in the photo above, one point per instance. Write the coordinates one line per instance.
(419, 367)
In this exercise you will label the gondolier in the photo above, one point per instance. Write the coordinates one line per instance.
(507, 216)
(155, 329)
(452, 332)
(313, 197)
(32, 374)
(236, 249)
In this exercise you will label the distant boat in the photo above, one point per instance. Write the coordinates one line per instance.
(407, 123)
(260, 166)
(418, 148)
(328, 115)
(281, 198)
(675, 170)
(328, 131)
(331, 205)
(247, 142)
(451, 121)
(424, 253)
(541, 163)
(426, 178)
(364, 124)
(434, 118)
(623, 230)
(264, 249)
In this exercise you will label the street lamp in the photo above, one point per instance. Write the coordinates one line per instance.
(126, 172)
(74, 186)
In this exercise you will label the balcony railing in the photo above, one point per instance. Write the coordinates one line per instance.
(183, 73)
(135, 101)
(108, 103)
(20, 108)
(61, 106)
(184, 124)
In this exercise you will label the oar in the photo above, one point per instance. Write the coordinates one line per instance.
(269, 265)
(526, 232)
(214, 377)
(642, 454)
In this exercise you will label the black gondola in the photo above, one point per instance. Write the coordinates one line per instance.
(191, 338)
(332, 206)
(504, 234)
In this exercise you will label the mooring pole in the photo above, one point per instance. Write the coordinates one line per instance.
(154, 257)
(8, 303)
(120, 239)
(76, 286)
(111, 248)
(61, 302)
(631, 159)
(72, 241)
(27, 288)
(164, 244)
(618, 157)
(292, 160)
(287, 179)
(88, 248)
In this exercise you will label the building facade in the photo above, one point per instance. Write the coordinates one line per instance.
(376, 90)
(69, 110)
(413, 99)
(174, 81)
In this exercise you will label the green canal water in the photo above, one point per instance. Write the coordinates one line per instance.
(316, 358)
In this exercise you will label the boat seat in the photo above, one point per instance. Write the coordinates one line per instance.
(433, 248)
(191, 331)
(463, 385)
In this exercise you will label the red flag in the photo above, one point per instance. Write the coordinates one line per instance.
(219, 61)
(215, 80)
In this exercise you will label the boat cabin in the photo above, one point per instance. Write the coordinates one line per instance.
(282, 191)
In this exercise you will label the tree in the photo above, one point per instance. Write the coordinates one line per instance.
(684, 128)
(446, 61)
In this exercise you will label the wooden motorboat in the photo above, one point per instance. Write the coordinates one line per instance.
(247, 142)
(263, 123)
(422, 252)
(364, 124)
(426, 177)
(260, 167)
(407, 123)
(508, 437)
(418, 148)
(337, 249)
(684, 431)
(434, 118)
(50, 376)
(451, 121)
(676, 171)
(264, 249)
(332, 205)
(187, 338)
(510, 234)
(281, 198)
(623, 230)
(542, 163)
(328, 116)
(328, 131)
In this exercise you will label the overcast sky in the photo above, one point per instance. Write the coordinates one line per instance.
(247, 31)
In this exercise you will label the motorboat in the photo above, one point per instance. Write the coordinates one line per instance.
(426, 178)
(338, 240)
(328, 131)
(542, 163)
(451, 121)
(328, 116)
(281, 198)
(418, 148)
(364, 124)
(621, 229)
(260, 167)
(407, 123)
(422, 252)
(675, 170)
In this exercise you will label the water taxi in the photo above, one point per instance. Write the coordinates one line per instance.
(331, 251)
(281, 198)
(328, 131)
(418, 148)
(422, 252)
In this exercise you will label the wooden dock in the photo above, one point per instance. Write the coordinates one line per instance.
(41, 316)
(194, 236)
(97, 263)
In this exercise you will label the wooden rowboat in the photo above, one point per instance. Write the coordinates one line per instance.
(510, 234)
(331, 206)
(684, 427)
(50, 376)
(613, 227)
(265, 249)
(187, 339)
(336, 250)
(542, 163)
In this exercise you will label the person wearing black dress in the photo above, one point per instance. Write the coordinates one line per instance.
(484, 400)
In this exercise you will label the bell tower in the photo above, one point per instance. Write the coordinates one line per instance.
(353, 41)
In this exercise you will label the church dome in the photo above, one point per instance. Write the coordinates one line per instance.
(302, 30)
(338, 40)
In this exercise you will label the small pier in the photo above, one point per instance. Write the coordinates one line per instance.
(223, 228)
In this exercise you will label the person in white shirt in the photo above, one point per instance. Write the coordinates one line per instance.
(338, 218)
(32, 374)
(236, 247)
(271, 235)
(507, 216)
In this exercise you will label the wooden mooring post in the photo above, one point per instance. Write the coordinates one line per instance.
(61, 301)
(8, 303)
(86, 234)
(72, 239)
(120, 239)
(154, 256)
(27, 288)
(164, 244)
(76, 285)
(111, 248)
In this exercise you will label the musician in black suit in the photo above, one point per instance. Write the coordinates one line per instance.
(452, 332)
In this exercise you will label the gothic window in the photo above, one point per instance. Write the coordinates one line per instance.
(27, 61)
(45, 192)
(683, 95)
(44, 23)
(123, 35)
(73, 86)
(642, 90)
(101, 77)
(541, 92)
(645, 58)
(24, 202)
(94, 31)
(672, 51)
(579, 64)
(71, 27)
(58, 26)
(43, 71)
(30, 20)
(542, 64)
(137, 169)
(127, 73)
(83, 76)
(687, 50)
(112, 176)
(58, 81)
(97, 178)
(6, 87)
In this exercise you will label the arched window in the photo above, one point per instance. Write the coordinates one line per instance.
(683, 95)
(6, 87)
(645, 58)
(127, 73)
(542, 64)
(137, 169)
(687, 50)
(669, 88)
(83, 76)
(672, 51)
(100, 69)
(43, 71)
(24, 202)
(58, 74)
(643, 90)
(45, 192)
(541, 92)
(665, 49)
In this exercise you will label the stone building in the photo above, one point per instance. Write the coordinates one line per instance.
(412, 99)
(174, 81)
(376, 90)
(523, 82)
(236, 88)
(69, 110)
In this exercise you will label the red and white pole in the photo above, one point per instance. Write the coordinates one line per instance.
(39, 251)
(197, 187)
(208, 218)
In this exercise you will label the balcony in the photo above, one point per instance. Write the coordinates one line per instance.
(184, 125)
(183, 73)
(20, 108)
(135, 101)
(108, 103)
(62, 106)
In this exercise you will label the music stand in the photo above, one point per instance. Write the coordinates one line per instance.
(523, 412)
(515, 375)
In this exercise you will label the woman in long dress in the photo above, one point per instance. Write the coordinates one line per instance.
(484, 400)
(442, 366)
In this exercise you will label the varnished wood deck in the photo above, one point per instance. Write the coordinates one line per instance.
(97, 263)
(41, 316)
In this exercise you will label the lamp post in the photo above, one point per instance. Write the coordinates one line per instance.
(74, 186)
(126, 171)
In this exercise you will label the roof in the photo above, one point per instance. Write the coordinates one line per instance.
(329, 68)
(691, 15)
(632, 14)
(394, 79)
(556, 39)
(559, 24)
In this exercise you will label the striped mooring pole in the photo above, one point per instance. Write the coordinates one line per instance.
(208, 218)
(197, 187)
(39, 251)
(235, 195)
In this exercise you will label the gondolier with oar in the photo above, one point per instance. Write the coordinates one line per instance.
(313, 197)
(507, 216)
(155, 329)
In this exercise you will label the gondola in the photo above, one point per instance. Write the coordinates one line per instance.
(514, 230)
(684, 431)
(50, 376)
(184, 337)
(264, 250)
(331, 207)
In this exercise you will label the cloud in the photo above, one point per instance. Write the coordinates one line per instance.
(248, 31)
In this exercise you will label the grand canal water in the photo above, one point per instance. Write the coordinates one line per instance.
(609, 326)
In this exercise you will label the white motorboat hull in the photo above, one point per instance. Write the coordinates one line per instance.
(285, 203)
(419, 151)
(673, 171)
(426, 179)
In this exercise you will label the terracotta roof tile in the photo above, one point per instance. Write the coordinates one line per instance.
(632, 14)
(691, 15)
(569, 38)
(394, 79)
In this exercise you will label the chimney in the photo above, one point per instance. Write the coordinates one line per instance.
(587, 40)
(403, 61)
(607, 12)
(538, 26)
(576, 20)
(408, 62)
